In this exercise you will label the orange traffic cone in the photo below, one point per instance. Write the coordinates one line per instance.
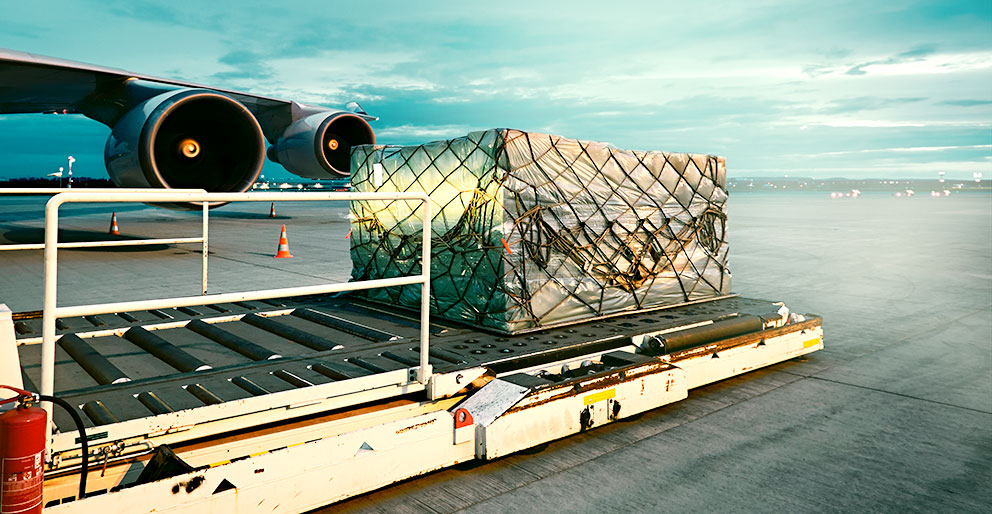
(283, 252)
(272, 210)
(114, 231)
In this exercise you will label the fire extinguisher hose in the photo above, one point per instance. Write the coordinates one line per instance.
(84, 467)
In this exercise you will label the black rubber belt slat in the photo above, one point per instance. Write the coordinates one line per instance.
(249, 386)
(97, 321)
(620, 359)
(155, 404)
(98, 413)
(127, 317)
(344, 325)
(412, 358)
(292, 379)
(231, 341)
(203, 394)
(160, 314)
(339, 370)
(445, 355)
(164, 350)
(189, 311)
(404, 356)
(396, 318)
(98, 367)
(565, 352)
(293, 334)
(376, 363)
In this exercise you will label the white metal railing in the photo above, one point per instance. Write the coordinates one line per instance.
(127, 242)
(52, 311)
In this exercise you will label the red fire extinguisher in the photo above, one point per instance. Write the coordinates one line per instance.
(22, 454)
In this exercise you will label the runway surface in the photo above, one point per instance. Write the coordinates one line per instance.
(895, 415)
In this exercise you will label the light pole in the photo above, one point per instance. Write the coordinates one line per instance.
(59, 175)
(71, 160)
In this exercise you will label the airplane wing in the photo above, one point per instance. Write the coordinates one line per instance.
(39, 84)
(171, 133)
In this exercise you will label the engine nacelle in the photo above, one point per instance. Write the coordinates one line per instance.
(186, 139)
(319, 145)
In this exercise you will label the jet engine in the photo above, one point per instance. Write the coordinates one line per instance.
(319, 145)
(186, 138)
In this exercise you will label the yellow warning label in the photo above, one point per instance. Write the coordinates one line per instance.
(600, 396)
(811, 342)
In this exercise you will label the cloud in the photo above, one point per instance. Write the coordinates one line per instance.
(240, 58)
(908, 56)
(144, 10)
(919, 51)
(921, 63)
(21, 30)
(247, 65)
(912, 149)
(421, 132)
(966, 103)
(870, 123)
(863, 103)
(880, 169)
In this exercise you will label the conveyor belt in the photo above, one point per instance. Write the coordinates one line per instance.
(301, 342)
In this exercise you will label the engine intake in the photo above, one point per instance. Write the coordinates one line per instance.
(186, 139)
(319, 146)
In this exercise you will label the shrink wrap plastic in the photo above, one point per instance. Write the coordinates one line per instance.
(532, 230)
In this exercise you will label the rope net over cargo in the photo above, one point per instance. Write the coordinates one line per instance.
(532, 230)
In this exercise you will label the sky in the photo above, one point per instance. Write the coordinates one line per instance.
(825, 89)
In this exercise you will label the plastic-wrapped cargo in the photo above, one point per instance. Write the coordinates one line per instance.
(536, 230)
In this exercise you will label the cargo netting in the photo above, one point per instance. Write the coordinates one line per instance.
(533, 230)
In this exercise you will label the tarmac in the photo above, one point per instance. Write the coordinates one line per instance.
(894, 415)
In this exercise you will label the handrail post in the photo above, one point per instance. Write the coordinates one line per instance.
(205, 248)
(424, 374)
(49, 313)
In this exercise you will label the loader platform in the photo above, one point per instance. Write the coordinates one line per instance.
(228, 383)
